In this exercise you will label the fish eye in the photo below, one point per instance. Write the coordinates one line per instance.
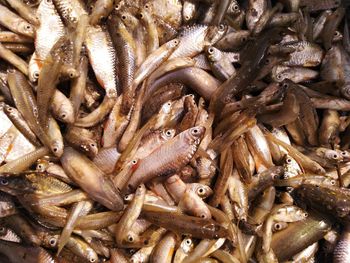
(123, 17)
(235, 7)
(332, 182)
(92, 145)
(200, 190)
(305, 214)
(92, 259)
(53, 241)
(343, 153)
(211, 50)
(2, 230)
(55, 149)
(335, 156)
(244, 39)
(289, 160)
(278, 226)
(146, 6)
(195, 131)
(221, 27)
(134, 161)
(168, 133)
(188, 242)
(48, 1)
(36, 74)
(130, 239)
(4, 182)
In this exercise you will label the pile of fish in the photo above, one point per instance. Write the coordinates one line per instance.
(174, 131)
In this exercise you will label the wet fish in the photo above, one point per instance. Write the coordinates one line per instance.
(176, 157)
(15, 23)
(102, 189)
(174, 131)
(99, 46)
(50, 30)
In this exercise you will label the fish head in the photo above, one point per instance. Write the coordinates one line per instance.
(15, 184)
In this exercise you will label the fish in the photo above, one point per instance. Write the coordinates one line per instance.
(195, 226)
(19, 48)
(326, 198)
(15, 60)
(70, 11)
(25, 11)
(48, 33)
(99, 47)
(164, 250)
(24, 253)
(192, 41)
(146, 170)
(102, 188)
(254, 12)
(341, 251)
(125, 45)
(123, 233)
(221, 66)
(174, 131)
(16, 23)
(101, 9)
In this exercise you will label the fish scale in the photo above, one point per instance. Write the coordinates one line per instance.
(307, 54)
(125, 46)
(51, 29)
(177, 152)
(192, 41)
(70, 10)
(191, 131)
(102, 58)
